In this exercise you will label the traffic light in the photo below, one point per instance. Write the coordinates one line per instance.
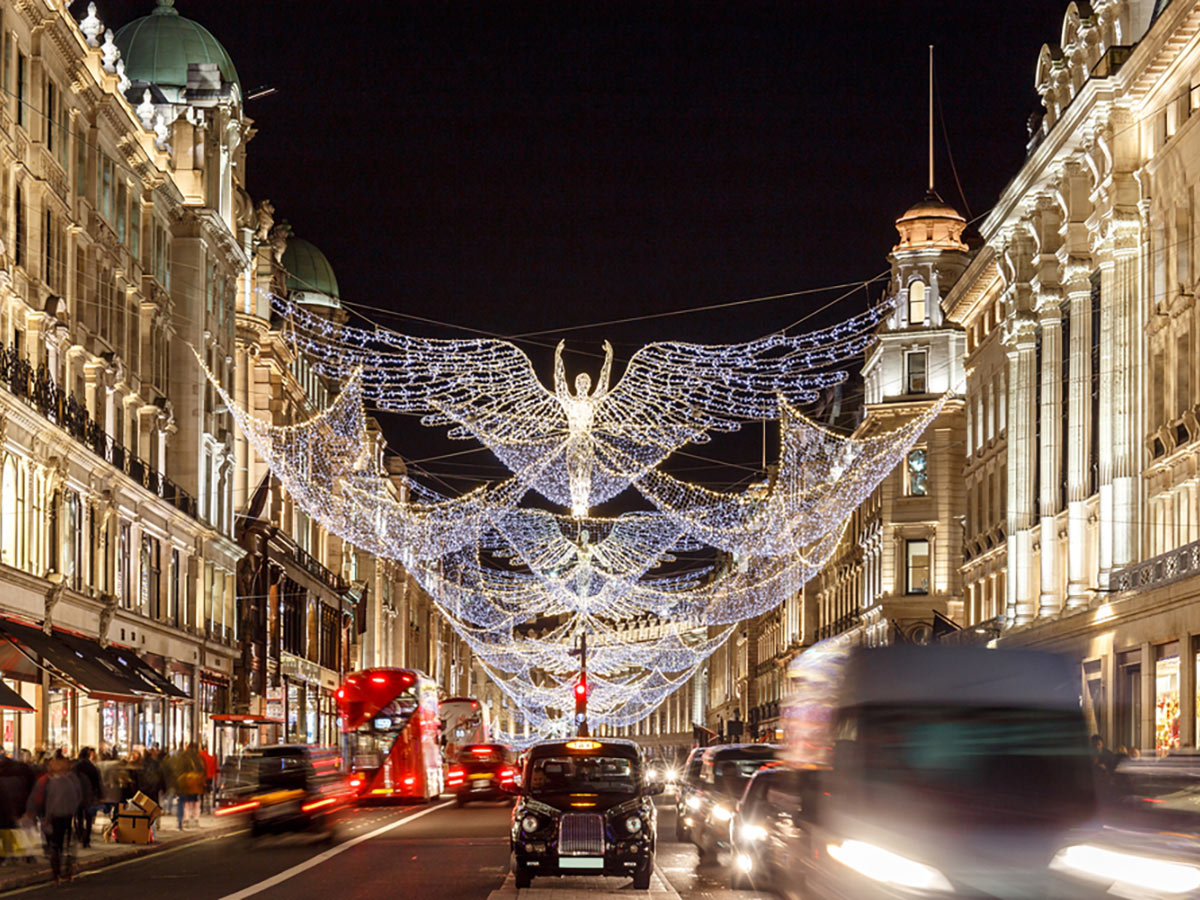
(581, 692)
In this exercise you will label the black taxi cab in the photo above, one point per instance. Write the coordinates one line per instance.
(584, 808)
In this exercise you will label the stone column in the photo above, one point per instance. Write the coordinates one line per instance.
(1020, 347)
(1120, 282)
(1050, 601)
(1079, 415)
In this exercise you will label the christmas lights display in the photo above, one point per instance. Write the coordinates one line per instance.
(656, 591)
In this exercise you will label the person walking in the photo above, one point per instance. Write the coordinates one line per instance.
(210, 777)
(188, 768)
(56, 800)
(89, 781)
(112, 771)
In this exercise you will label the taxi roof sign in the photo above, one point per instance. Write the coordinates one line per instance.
(583, 745)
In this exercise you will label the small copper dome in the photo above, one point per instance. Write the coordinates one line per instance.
(931, 223)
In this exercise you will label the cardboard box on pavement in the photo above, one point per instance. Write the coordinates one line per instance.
(146, 805)
(133, 827)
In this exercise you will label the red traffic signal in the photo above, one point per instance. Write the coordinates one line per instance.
(581, 690)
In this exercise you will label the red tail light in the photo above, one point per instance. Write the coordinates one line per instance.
(508, 773)
(410, 781)
(482, 751)
(240, 807)
(455, 776)
(356, 781)
(317, 804)
(378, 679)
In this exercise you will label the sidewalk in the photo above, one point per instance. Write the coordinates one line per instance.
(18, 874)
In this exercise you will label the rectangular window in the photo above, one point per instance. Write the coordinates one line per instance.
(917, 565)
(915, 376)
(1166, 698)
(135, 228)
(105, 187)
(19, 228)
(122, 204)
(51, 116)
(20, 88)
(916, 474)
(81, 155)
(1128, 730)
(916, 303)
(1183, 373)
(124, 586)
(173, 613)
(1065, 418)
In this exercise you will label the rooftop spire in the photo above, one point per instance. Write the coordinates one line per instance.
(931, 118)
(165, 8)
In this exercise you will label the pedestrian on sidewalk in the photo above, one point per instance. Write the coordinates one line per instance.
(16, 779)
(89, 781)
(210, 777)
(188, 768)
(56, 800)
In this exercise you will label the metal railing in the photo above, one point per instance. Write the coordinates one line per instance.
(36, 388)
(1175, 565)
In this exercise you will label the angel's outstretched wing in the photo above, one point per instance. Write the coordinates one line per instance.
(483, 388)
(673, 393)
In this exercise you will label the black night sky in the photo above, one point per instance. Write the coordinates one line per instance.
(520, 166)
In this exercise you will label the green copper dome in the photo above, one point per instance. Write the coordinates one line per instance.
(157, 48)
(310, 277)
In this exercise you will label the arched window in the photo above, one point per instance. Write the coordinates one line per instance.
(916, 303)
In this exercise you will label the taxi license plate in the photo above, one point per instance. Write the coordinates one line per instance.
(581, 862)
(481, 777)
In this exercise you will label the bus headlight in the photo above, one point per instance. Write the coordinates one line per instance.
(634, 824)
(530, 824)
(693, 802)
(1147, 873)
(887, 867)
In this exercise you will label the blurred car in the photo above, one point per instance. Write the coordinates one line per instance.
(285, 788)
(941, 771)
(479, 773)
(766, 830)
(1146, 842)
(687, 801)
(584, 809)
(724, 773)
(659, 771)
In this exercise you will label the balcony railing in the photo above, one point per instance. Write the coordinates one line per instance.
(36, 388)
(1176, 565)
(845, 623)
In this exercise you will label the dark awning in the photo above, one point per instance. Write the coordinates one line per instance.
(10, 699)
(76, 662)
(126, 665)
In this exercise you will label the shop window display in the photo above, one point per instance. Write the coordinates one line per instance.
(1166, 700)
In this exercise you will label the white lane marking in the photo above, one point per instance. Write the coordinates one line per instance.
(327, 855)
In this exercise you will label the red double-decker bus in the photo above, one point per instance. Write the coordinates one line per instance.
(390, 733)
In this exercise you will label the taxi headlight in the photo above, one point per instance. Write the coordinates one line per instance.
(721, 814)
(634, 824)
(753, 832)
(887, 867)
(1157, 875)
(530, 824)
(693, 802)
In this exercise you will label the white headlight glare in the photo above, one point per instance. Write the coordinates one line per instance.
(753, 832)
(1145, 872)
(634, 823)
(529, 824)
(744, 862)
(887, 867)
(721, 814)
(693, 802)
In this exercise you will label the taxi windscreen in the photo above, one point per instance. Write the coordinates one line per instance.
(577, 775)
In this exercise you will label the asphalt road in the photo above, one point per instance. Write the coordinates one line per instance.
(430, 852)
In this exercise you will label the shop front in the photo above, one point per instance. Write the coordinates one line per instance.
(309, 705)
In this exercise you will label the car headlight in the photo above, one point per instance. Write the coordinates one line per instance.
(672, 776)
(1144, 872)
(693, 802)
(753, 832)
(530, 824)
(633, 824)
(743, 862)
(887, 867)
(721, 814)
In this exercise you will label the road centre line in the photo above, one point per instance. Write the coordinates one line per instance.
(329, 854)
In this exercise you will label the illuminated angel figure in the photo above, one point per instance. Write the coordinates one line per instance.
(580, 409)
(581, 448)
